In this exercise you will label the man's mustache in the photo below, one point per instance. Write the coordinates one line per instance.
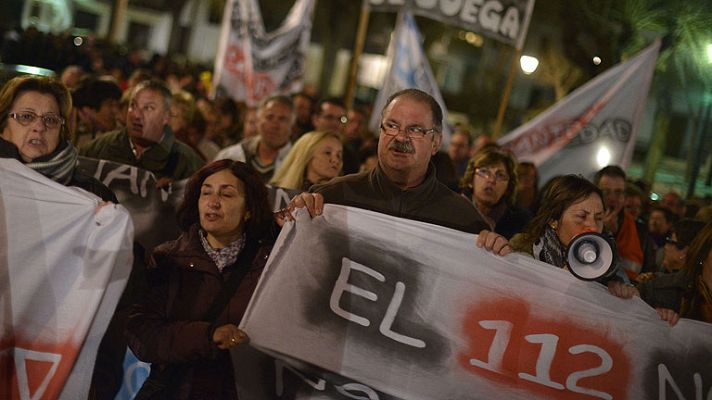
(402, 146)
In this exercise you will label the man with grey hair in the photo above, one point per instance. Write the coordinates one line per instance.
(147, 141)
(403, 184)
(266, 151)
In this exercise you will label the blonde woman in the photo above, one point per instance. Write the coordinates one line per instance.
(315, 158)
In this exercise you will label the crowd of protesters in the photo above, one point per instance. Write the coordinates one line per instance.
(159, 117)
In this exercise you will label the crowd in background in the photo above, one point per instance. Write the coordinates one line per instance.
(157, 115)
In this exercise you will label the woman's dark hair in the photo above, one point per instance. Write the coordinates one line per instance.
(561, 192)
(256, 198)
(686, 230)
(698, 251)
(696, 255)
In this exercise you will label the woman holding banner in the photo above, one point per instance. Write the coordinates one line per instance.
(688, 292)
(33, 130)
(201, 284)
(315, 158)
(570, 206)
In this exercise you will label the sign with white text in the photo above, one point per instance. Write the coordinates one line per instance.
(503, 20)
(416, 311)
(592, 127)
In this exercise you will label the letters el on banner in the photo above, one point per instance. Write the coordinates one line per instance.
(251, 63)
(63, 267)
(416, 311)
(594, 126)
(504, 20)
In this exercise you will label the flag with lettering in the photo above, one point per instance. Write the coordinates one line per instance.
(592, 127)
(416, 311)
(252, 64)
(506, 21)
(408, 68)
(63, 267)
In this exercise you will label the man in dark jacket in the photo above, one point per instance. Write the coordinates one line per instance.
(404, 184)
(147, 141)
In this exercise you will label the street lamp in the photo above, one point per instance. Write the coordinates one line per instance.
(529, 64)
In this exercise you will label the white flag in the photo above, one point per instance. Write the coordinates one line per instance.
(594, 126)
(408, 68)
(252, 64)
(63, 267)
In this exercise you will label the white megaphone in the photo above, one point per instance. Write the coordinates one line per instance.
(590, 256)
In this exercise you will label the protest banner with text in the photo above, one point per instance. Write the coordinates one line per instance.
(63, 267)
(594, 126)
(416, 311)
(252, 64)
(504, 20)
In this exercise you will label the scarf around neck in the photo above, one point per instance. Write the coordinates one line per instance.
(548, 248)
(58, 165)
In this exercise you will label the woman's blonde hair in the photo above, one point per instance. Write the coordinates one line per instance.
(292, 173)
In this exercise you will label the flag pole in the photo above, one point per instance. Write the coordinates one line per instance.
(358, 50)
(505, 96)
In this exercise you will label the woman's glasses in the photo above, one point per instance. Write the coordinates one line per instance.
(26, 118)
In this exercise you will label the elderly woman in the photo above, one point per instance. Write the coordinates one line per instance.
(570, 206)
(686, 293)
(490, 181)
(201, 284)
(315, 158)
(33, 115)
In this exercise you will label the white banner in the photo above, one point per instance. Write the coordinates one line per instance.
(416, 311)
(408, 68)
(252, 64)
(594, 126)
(503, 20)
(63, 267)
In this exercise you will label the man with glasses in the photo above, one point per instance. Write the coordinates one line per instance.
(147, 141)
(403, 183)
(611, 181)
(490, 180)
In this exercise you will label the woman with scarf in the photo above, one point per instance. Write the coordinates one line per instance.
(570, 206)
(201, 284)
(33, 130)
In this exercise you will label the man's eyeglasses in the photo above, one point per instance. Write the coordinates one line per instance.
(670, 240)
(25, 118)
(498, 176)
(412, 131)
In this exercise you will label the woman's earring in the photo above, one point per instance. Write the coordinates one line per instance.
(247, 216)
(553, 225)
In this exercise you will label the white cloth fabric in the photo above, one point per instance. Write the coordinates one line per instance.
(416, 311)
(63, 267)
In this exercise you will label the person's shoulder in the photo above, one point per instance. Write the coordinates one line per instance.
(188, 152)
(234, 152)
(340, 181)
(164, 252)
(100, 143)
